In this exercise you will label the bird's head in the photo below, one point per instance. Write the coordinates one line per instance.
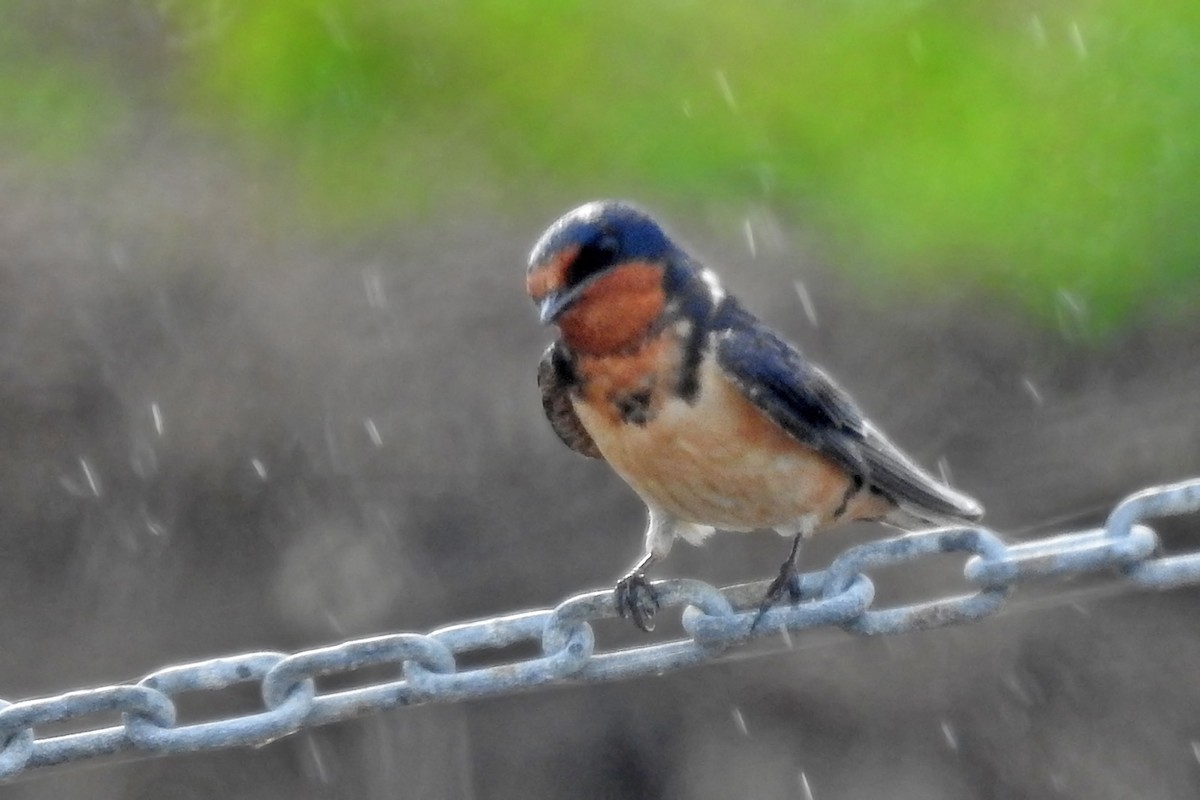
(598, 274)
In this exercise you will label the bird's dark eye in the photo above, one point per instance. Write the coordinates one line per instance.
(593, 257)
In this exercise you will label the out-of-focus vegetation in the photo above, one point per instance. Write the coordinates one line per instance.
(1046, 151)
(267, 367)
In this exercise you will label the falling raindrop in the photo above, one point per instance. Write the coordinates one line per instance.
(806, 303)
(1071, 301)
(1033, 390)
(90, 476)
(740, 721)
(748, 230)
(1038, 30)
(944, 469)
(259, 467)
(726, 90)
(318, 760)
(1077, 41)
(373, 432)
(334, 622)
(805, 789)
(373, 286)
(1196, 750)
(154, 526)
(1072, 315)
(948, 733)
(1017, 688)
(156, 414)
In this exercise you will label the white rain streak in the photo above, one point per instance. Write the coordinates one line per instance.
(1015, 686)
(373, 286)
(318, 760)
(259, 468)
(714, 285)
(1071, 301)
(944, 469)
(740, 721)
(373, 432)
(805, 789)
(726, 90)
(948, 733)
(157, 416)
(786, 635)
(1038, 30)
(1196, 750)
(748, 231)
(1077, 41)
(89, 475)
(806, 302)
(1071, 313)
(1033, 391)
(155, 528)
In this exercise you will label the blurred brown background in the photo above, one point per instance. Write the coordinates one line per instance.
(232, 422)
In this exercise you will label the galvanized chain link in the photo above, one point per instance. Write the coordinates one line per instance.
(425, 665)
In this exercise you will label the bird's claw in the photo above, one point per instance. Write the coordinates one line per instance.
(637, 599)
(787, 582)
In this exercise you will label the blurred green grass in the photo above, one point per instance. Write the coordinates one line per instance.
(1043, 151)
(52, 105)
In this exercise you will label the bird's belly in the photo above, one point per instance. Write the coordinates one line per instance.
(720, 462)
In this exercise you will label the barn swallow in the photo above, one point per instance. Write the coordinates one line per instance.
(714, 420)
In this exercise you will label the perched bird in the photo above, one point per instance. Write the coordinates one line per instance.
(712, 418)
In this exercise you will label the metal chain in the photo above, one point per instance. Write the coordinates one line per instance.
(715, 620)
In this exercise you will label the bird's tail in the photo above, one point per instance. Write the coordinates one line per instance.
(918, 519)
(921, 500)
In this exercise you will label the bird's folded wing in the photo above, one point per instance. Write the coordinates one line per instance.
(806, 403)
(555, 380)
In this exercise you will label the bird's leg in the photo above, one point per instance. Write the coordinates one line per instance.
(636, 598)
(787, 581)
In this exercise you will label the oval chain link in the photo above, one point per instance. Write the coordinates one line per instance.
(714, 620)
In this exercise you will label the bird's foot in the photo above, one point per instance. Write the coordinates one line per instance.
(637, 599)
(787, 582)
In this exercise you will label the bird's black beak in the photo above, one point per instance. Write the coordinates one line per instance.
(555, 304)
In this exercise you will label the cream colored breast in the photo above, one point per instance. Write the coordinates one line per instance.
(718, 462)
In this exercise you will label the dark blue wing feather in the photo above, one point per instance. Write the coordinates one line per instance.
(796, 395)
(807, 404)
(556, 379)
